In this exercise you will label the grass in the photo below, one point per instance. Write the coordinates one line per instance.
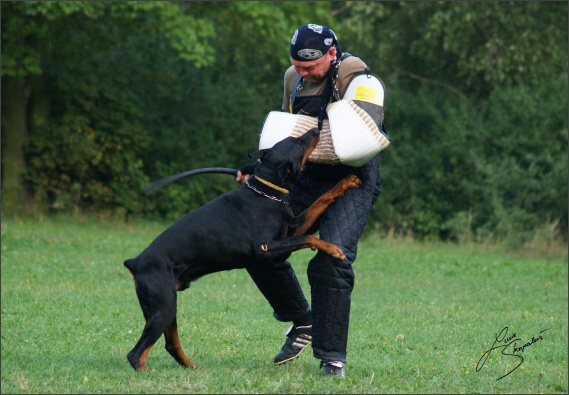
(423, 314)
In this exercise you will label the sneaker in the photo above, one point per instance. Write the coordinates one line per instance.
(298, 338)
(333, 369)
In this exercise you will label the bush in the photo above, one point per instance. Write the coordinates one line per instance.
(456, 169)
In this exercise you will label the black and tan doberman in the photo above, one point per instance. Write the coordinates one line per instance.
(252, 223)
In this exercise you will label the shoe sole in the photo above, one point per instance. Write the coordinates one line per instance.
(334, 376)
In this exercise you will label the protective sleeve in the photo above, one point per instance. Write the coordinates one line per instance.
(368, 93)
(356, 121)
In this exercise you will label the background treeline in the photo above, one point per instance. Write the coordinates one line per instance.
(99, 98)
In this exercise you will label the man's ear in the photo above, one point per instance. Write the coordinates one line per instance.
(259, 155)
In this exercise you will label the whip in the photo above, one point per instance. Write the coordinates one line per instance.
(156, 185)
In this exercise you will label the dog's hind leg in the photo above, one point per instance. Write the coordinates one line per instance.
(153, 329)
(174, 347)
(286, 245)
(158, 303)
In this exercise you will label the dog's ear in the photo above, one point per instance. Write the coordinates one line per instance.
(296, 168)
(259, 155)
(286, 171)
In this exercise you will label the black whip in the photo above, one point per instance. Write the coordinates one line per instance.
(156, 185)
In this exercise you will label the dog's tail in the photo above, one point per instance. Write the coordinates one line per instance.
(129, 264)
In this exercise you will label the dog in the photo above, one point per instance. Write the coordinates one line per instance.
(252, 223)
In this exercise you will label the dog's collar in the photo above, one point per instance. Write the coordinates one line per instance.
(270, 184)
(265, 194)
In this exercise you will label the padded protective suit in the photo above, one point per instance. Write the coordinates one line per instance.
(331, 281)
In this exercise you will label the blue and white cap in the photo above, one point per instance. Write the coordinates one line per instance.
(310, 42)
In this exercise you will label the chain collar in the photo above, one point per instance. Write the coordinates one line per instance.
(264, 194)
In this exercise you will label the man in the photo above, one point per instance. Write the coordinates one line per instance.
(320, 75)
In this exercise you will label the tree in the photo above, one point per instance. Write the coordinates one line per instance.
(29, 30)
(467, 47)
(104, 96)
(466, 85)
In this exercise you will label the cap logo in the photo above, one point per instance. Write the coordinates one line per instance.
(294, 37)
(315, 28)
(310, 54)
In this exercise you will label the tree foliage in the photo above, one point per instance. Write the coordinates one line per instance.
(114, 94)
(477, 104)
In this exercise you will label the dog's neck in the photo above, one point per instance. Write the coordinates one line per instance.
(262, 183)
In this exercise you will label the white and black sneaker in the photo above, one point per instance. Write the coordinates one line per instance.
(333, 369)
(298, 338)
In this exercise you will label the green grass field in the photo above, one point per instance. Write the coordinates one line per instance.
(423, 316)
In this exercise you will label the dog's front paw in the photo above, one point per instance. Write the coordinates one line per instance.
(337, 253)
(352, 181)
(344, 184)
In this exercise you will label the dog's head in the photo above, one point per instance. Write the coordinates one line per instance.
(282, 163)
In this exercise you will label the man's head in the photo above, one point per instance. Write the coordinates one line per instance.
(312, 50)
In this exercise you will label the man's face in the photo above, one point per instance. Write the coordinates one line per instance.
(315, 70)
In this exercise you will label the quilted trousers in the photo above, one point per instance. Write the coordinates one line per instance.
(331, 281)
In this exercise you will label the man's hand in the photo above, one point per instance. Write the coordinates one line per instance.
(245, 172)
(241, 178)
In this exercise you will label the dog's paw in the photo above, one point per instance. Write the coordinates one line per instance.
(337, 253)
(344, 184)
(190, 365)
(352, 181)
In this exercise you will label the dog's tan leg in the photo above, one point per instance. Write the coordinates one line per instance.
(308, 218)
(174, 347)
(143, 357)
(315, 243)
(289, 244)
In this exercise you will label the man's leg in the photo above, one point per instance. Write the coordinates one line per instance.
(332, 281)
(278, 283)
(342, 224)
(331, 285)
